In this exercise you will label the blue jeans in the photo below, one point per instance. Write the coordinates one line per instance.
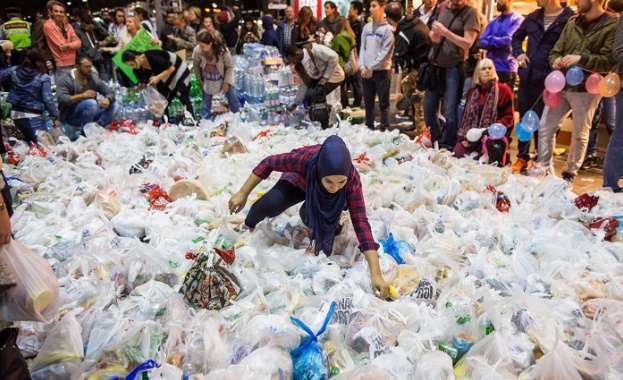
(89, 111)
(613, 165)
(451, 93)
(377, 85)
(30, 126)
(608, 106)
(355, 81)
(232, 100)
(529, 98)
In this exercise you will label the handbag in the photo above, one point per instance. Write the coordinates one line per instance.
(12, 363)
(211, 283)
(352, 65)
(427, 69)
(319, 109)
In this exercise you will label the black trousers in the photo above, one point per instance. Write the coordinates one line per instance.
(278, 199)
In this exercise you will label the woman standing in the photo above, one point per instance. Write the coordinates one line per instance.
(487, 102)
(324, 177)
(307, 27)
(163, 69)
(249, 33)
(343, 43)
(194, 18)
(270, 37)
(143, 18)
(214, 67)
(30, 95)
(208, 24)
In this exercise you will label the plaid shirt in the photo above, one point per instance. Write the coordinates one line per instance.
(294, 168)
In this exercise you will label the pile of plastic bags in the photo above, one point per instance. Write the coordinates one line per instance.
(493, 276)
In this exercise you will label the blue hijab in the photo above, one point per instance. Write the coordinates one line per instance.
(323, 208)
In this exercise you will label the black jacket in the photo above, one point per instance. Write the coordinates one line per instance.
(357, 27)
(412, 43)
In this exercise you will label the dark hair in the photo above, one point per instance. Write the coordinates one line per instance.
(86, 18)
(142, 12)
(615, 5)
(358, 6)
(80, 58)
(117, 10)
(331, 4)
(34, 58)
(394, 11)
(381, 3)
(208, 38)
(290, 51)
(129, 55)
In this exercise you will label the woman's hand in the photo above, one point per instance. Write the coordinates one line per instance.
(237, 202)
(225, 88)
(140, 87)
(379, 286)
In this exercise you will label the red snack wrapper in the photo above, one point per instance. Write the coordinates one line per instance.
(586, 202)
(609, 225)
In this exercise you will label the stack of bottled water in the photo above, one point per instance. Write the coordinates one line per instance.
(271, 97)
(254, 88)
(287, 85)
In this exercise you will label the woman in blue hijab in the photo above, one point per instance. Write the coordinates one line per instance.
(324, 177)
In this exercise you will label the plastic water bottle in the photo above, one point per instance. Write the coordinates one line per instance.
(439, 226)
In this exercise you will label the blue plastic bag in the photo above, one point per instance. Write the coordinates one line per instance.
(307, 358)
(392, 247)
(148, 365)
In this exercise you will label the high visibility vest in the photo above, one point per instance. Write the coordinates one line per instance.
(18, 32)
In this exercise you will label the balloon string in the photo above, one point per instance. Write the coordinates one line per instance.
(534, 105)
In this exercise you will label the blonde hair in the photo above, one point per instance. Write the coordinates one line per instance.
(343, 24)
(485, 62)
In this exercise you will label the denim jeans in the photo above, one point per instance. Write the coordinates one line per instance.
(608, 106)
(613, 165)
(377, 85)
(529, 98)
(232, 100)
(451, 93)
(355, 81)
(30, 126)
(89, 111)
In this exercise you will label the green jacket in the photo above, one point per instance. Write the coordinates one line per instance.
(594, 47)
(342, 44)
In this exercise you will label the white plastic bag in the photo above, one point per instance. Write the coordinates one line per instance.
(35, 296)
(156, 102)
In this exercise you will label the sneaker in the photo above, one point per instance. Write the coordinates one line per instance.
(407, 103)
(589, 162)
(520, 165)
(568, 177)
(403, 116)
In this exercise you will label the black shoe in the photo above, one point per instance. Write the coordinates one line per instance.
(410, 128)
(405, 104)
(568, 177)
(589, 162)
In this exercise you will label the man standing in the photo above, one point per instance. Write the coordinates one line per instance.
(117, 28)
(613, 165)
(287, 28)
(185, 36)
(496, 40)
(375, 62)
(542, 28)
(428, 12)
(586, 42)
(328, 23)
(354, 17)
(18, 32)
(62, 39)
(411, 50)
(452, 34)
(106, 19)
(169, 30)
(77, 97)
(90, 46)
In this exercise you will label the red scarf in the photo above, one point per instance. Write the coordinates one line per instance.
(472, 117)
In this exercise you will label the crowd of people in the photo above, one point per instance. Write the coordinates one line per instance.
(434, 55)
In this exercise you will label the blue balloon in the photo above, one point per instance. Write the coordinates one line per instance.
(497, 131)
(530, 121)
(522, 134)
(574, 76)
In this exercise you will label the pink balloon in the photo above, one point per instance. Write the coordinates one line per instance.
(592, 83)
(551, 100)
(555, 81)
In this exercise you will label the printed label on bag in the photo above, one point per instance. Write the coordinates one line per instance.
(425, 291)
(377, 344)
(342, 310)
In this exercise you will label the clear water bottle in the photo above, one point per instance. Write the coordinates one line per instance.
(439, 226)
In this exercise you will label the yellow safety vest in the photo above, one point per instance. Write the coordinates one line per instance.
(18, 32)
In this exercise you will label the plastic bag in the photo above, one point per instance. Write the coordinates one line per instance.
(367, 372)
(63, 343)
(35, 295)
(308, 359)
(156, 102)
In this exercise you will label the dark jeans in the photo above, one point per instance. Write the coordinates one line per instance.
(355, 81)
(608, 106)
(278, 199)
(613, 165)
(30, 126)
(377, 85)
(450, 89)
(529, 98)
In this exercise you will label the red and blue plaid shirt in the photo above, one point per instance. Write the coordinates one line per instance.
(294, 167)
